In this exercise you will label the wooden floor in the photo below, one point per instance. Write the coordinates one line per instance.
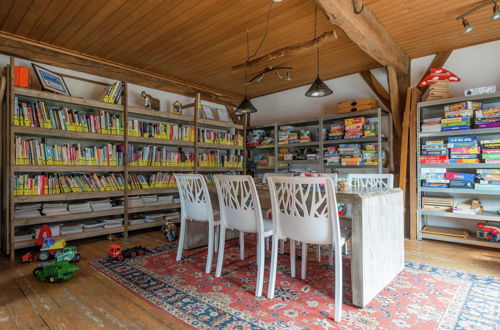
(90, 300)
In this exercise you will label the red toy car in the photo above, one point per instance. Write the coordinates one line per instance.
(115, 252)
(29, 257)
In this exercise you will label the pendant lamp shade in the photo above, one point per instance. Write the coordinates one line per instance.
(318, 88)
(245, 107)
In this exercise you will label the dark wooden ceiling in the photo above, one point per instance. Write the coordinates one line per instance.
(199, 41)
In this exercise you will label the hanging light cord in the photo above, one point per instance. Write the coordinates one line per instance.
(265, 32)
(246, 68)
(314, 37)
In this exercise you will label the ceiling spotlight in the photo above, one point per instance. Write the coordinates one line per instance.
(467, 26)
(496, 12)
(277, 0)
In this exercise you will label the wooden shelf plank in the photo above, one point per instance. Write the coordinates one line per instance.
(66, 217)
(32, 93)
(151, 140)
(59, 133)
(217, 123)
(366, 139)
(144, 112)
(469, 241)
(136, 192)
(485, 216)
(161, 168)
(153, 207)
(472, 131)
(298, 145)
(460, 191)
(151, 224)
(66, 168)
(75, 236)
(218, 146)
(219, 169)
(480, 165)
(67, 196)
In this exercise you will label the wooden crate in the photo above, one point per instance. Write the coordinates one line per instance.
(357, 105)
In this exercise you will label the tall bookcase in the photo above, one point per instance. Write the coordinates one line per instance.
(490, 199)
(11, 131)
(383, 141)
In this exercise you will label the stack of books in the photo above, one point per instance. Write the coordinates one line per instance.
(79, 207)
(165, 199)
(332, 156)
(54, 209)
(350, 154)
(71, 228)
(490, 151)
(437, 204)
(285, 135)
(463, 150)
(93, 225)
(150, 199)
(371, 127)
(431, 125)
(488, 179)
(336, 131)
(25, 233)
(434, 152)
(354, 127)
(455, 124)
(27, 210)
(112, 223)
(114, 92)
(135, 201)
(370, 155)
(488, 118)
(155, 180)
(460, 180)
(154, 217)
(434, 177)
(101, 205)
(172, 215)
(136, 220)
(55, 228)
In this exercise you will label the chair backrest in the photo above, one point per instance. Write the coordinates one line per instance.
(239, 203)
(305, 209)
(370, 180)
(194, 197)
(267, 175)
(334, 176)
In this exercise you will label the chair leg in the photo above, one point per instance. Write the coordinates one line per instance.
(292, 258)
(242, 245)
(338, 284)
(220, 256)
(318, 253)
(261, 253)
(210, 252)
(216, 239)
(181, 240)
(282, 246)
(330, 255)
(304, 261)
(274, 262)
(267, 243)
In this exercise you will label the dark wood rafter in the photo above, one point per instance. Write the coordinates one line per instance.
(364, 29)
(286, 51)
(394, 99)
(438, 61)
(44, 53)
(377, 88)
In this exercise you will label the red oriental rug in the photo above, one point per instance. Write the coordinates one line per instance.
(421, 297)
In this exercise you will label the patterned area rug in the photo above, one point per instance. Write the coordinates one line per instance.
(421, 297)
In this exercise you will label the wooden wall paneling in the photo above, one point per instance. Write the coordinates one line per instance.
(412, 173)
(27, 23)
(70, 13)
(438, 61)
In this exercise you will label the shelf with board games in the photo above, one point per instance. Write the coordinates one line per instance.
(63, 150)
(360, 139)
(458, 166)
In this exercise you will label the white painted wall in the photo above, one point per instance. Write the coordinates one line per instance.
(477, 66)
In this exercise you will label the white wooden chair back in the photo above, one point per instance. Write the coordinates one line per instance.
(194, 197)
(371, 180)
(305, 209)
(267, 175)
(239, 203)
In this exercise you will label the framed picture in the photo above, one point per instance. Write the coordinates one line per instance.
(208, 113)
(223, 115)
(51, 81)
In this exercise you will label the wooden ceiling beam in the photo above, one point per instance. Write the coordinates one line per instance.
(438, 61)
(377, 88)
(365, 30)
(48, 54)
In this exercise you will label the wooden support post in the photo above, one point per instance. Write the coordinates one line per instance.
(412, 173)
(394, 98)
(377, 88)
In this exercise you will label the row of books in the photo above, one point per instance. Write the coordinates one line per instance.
(463, 116)
(43, 184)
(218, 159)
(158, 156)
(207, 135)
(167, 131)
(36, 152)
(114, 92)
(151, 181)
(354, 154)
(460, 150)
(353, 128)
(49, 209)
(485, 179)
(37, 114)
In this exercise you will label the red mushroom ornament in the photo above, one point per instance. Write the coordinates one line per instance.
(438, 81)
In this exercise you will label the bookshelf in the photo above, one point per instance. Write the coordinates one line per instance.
(489, 198)
(383, 140)
(138, 141)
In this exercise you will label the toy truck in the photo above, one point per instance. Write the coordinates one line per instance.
(115, 252)
(488, 232)
(50, 248)
(70, 254)
(55, 271)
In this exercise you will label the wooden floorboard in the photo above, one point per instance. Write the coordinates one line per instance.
(91, 300)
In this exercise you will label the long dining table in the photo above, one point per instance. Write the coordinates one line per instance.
(377, 243)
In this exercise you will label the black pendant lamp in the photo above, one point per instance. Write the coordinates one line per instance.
(246, 106)
(318, 87)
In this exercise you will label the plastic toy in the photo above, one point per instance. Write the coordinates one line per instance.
(113, 237)
(55, 271)
(489, 232)
(70, 254)
(115, 252)
(169, 230)
(51, 248)
(29, 257)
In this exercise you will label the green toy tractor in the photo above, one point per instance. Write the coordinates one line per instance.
(55, 271)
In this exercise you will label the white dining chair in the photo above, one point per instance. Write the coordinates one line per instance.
(239, 208)
(196, 206)
(305, 210)
(370, 180)
(267, 175)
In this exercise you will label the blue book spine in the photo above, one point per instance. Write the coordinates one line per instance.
(435, 153)
(463, 156)
(455, 128)
(455, 139)
(462, 144)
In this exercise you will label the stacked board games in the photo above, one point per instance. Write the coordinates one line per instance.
(434, 152)
(336, 131)
(431, 125)
(488, 178)
(460, 180)
(488, 118)
(370, 155)
(434, 178)
(354, 127)
(490, 151)
(458, 116)
(350, 154)
(464, 150)
(332, 156)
